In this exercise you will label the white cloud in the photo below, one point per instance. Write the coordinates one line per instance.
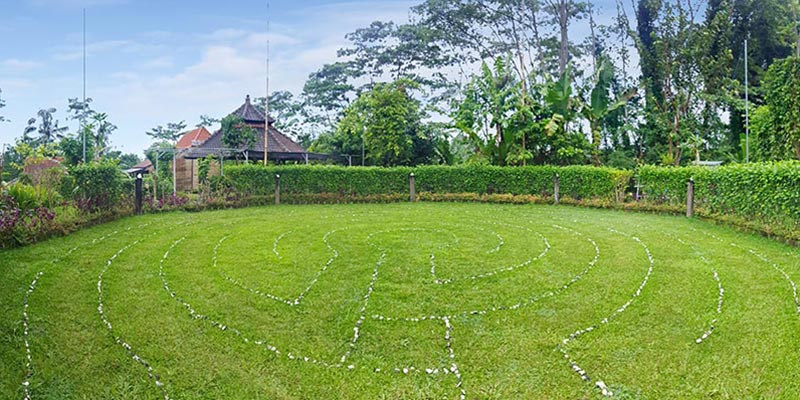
(17, 65)
(210, 74)
(159, 63)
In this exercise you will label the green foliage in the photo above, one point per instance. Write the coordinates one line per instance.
(99, 186)
(578, 182)
(780, 138)
(766, 192)
(390, 122)
(170, 133)
(204, 167)
(236, 134)
(30, 197)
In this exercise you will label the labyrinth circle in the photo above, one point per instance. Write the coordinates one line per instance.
(412, 301)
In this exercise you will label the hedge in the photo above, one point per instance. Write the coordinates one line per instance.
(577, 182)
(765, 192)
(96, 186)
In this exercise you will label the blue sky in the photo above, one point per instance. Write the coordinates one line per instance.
(152, 62)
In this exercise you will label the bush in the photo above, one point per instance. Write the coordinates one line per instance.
(577, 182)
(766, 192)
(29, 197)
(20, 226)
(98, 186)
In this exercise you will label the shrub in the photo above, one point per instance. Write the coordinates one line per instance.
(22, 226)
(577, 182)
(98, 186)
(766, 192)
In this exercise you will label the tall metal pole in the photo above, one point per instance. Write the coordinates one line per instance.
(746, 105)
(266, 101)
(2, 162)
(83, 109)
(174, 172)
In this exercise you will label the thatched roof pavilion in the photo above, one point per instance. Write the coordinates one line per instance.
(281, 147)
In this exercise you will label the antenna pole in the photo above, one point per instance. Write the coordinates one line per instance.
(83, 108)
(266, 99)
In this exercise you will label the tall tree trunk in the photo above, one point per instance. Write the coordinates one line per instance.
(594, 37)
(563, 23)
(538, 40)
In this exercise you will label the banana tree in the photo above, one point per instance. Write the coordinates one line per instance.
(484, 115)
(559, 99)
(600, 106)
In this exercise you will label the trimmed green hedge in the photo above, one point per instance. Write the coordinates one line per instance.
(768, 192)
(577, 182)
(767, 195)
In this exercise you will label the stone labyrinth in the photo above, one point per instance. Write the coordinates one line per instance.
(400, 295)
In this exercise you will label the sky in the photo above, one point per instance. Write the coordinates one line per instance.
(151, 62)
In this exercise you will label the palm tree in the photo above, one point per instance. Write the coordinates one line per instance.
(102, 133)
(48, 128)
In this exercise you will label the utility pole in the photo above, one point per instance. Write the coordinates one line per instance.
(266, 99)
(83, 108)
(2, 162)
(746, 105)
(174, 172)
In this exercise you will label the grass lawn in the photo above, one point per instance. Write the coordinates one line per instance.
(412, 301)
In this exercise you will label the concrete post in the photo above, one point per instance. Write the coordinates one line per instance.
(138, 194)
(412, 186)
(277, 190)
(556, 189)
(690, 199)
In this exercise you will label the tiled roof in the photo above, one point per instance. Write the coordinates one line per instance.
(144, 164)
(193, 138)
(250, 113)
(278, 143)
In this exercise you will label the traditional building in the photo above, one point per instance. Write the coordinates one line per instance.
(281, 148)
(187, 169)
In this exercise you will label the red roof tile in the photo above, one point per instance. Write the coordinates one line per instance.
(193, 138)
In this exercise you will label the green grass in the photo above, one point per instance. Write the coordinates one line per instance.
(503, 275)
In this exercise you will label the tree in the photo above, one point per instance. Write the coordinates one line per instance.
(48, 128)
(236, 134)
(329, 90)
(102, 130)
(600, 105)
(781, 139)
(71, 148)
(171, 133)
(284, 110)
(562, 12)
(390, 122)
(483, 115)
(127, 160)
(206, 121)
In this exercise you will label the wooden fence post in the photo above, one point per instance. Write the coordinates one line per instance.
(277, 189)
(412, 187)
(690, 199)
(556, 188)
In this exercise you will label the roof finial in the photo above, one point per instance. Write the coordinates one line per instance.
(247, 99)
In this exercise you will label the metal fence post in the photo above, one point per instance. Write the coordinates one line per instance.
(690, 199)
(277, 189)
(556, 188)
(412, 187)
